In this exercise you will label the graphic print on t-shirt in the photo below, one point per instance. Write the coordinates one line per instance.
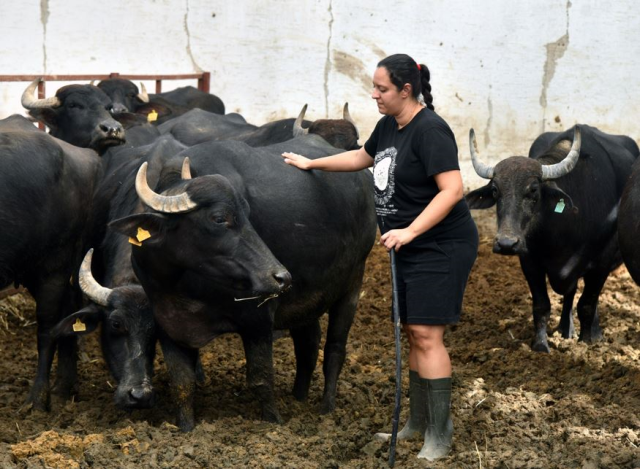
(384, 167)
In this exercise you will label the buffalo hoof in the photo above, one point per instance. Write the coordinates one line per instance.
(186, 421)
(590, 337)
(40, 403)
(300, 393)
(272, 416)
(64, 389)
(538, 346)
(327, 406)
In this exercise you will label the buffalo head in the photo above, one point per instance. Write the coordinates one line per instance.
(128, 335)
(201, 226)
(524, 190)
(339, 133)
(77, 114)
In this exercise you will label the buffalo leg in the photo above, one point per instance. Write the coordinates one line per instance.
(541, 304)
(566, 327)
(258, 349)
(588, 307)
(67, 371)
(341, 316)
(306, 343)
(48, 295)
(181, 364)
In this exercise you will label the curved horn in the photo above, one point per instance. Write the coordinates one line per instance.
(297, 125)
(161, 203)
(482, 169)
(29, 100)
(346, 116)
(96, 292)
(143, 96)
(186, 168)
(554, 171)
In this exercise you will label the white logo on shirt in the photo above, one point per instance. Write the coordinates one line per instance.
(384, 166)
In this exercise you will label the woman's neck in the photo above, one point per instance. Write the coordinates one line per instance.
(407, 114)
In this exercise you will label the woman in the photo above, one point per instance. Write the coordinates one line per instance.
(423, 216)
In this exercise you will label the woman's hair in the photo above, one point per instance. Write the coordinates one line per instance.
(403, 69)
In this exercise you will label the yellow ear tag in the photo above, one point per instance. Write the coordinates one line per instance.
(152, 116)
(140, 236)
(79, 326)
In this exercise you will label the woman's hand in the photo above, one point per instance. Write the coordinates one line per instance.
(296, 160)
(395, 239)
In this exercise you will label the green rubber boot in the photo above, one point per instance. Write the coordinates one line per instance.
(417, 423)
(439, 433)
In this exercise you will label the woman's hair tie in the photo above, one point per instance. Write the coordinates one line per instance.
(419, 68)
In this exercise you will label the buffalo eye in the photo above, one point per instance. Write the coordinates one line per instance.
(220, 219)
(116, 325)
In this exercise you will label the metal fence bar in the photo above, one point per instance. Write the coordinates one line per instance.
(203, 78)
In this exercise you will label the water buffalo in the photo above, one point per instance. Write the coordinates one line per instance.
(127, 97)
(77, 114)
(557, 211)
(45, 194)
(218, 250)
(198, 126)
(629, 223)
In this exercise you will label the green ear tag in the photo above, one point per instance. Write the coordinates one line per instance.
(559, 206)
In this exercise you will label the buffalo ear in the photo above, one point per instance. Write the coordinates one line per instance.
(46, 116)
(82, 322)
(481, 198)
(145, 228)
(552, 194)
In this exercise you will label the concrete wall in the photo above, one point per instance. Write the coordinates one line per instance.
(509, 69)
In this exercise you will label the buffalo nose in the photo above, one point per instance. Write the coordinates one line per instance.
(112, 129)
(141, 393)
(506, 244)
(283, 278)
(118, 108)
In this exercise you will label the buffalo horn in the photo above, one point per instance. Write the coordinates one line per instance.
(297, 125)
(96, 292)
(554, 171)
(347, 116)
(482, 169)
(143, 96)
(29, 100)
(161, 203)
(186, 168)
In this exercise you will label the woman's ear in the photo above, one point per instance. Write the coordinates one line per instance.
(406, 90)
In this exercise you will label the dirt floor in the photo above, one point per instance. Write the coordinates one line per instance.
(577, 407)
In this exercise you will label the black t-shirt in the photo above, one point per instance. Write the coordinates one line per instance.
(405, 162)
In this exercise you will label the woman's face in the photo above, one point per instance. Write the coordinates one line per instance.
(390, 100)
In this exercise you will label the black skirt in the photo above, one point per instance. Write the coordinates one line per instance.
(431, 279)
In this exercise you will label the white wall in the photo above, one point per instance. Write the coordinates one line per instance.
(510, 69)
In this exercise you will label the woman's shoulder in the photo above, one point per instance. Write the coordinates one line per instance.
(430, 121)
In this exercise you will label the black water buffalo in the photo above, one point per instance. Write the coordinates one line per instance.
(198, 126)
(217, 252)
(127, 97)
(77, 114)
(45, 194)
(629, 223)
(558, 212)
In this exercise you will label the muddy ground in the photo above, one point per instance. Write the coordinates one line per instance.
(578, 406)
